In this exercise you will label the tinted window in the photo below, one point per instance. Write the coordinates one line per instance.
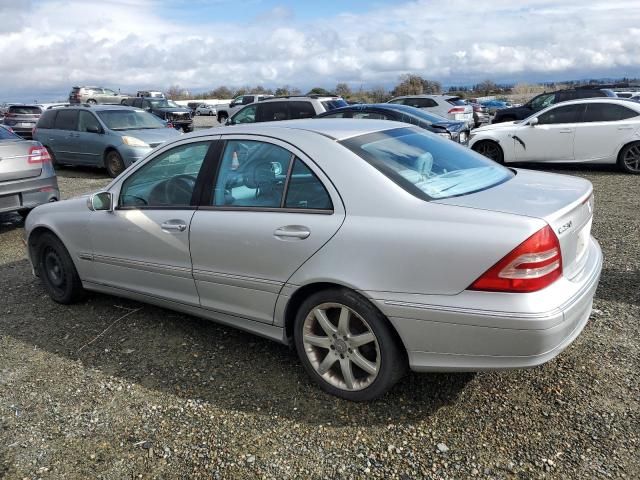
(246, 115)
(25, 110)
(426, 165)
(66, 120)
(338, 115)
(87, 120)
(7, 135)
(333, 104)
(397, 101)
(606, 112)
(301, 110)
(166, 181)
(420, 102)
(542, 101)
(46, 119)
(251, 174)
(137, 102)
(562, 114)
(247, 99)
(273, 111)
(369, 115)
(456, 101)
(305, 190)
(564, 96)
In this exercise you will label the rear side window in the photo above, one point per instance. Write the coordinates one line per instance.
(305, 190)
(273, 111)
(301, 110)
(66, 120)
(47, 119)
(420, 102)
(562, 114)
(333, 104)
(606, 112)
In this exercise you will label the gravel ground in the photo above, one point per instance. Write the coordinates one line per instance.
(115, 389)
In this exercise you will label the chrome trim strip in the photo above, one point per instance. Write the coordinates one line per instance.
(86, 256)
(174, 270)
(250, 283)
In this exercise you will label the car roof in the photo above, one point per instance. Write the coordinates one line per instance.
(98, 108)
(626, 101)
(334, 128)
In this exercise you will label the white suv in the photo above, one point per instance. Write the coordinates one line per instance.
(286, 108)
(447, 106)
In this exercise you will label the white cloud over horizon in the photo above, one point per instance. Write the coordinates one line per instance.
(46, 46)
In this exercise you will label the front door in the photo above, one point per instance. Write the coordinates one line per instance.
(92, 144)
(143, 245)
(268, 211)
(551, 139)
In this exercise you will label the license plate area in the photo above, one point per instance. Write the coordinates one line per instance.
(9, 201)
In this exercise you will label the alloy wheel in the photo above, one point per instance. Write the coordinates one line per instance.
(489, 150)
(341, 346)
(631, 158)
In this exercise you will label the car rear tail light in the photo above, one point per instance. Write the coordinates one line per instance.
(456, 110)
(169, 125)
(38, 156)
(533, 265)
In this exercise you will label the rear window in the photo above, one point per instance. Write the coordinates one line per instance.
(25, 110)
(456, 101)
(333, 104)
(46, 119)
(425, 165)
(5, 134)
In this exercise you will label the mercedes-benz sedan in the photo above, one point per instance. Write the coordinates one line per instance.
(369, 245)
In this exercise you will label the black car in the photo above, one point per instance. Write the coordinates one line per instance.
(456, 131)
(179, 117)
(547, 99)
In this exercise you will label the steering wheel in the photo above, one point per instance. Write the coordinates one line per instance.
(179, 189)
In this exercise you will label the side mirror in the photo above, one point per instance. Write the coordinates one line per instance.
(101, 201)
(94, 129)
(230, 122)
(533, 122)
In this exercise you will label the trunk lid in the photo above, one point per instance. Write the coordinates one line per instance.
(14, 160)
(564, 202)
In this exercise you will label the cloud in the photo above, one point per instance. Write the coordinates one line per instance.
(47, 46)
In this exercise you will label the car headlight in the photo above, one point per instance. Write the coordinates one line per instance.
(134, 142)
(446, 135)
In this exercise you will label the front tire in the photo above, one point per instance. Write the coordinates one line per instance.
(629, 158)
(114, 164)
(490, 150)
(57, 271)
(347, 346)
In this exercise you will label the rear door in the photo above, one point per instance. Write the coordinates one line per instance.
(552, 139)
(62, 138)
(269, 209)
(605, 127)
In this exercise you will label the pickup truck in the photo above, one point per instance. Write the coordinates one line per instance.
(179, 117)
(226, 111)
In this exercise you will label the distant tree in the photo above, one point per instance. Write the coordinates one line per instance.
(343, 90)
(221, 92)
(379, 95)
(175, 92)
(431, 87)
(319, 91)
(410, 84)
(486, 87)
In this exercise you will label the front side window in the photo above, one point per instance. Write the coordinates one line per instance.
(87, 122)
(563, 114)
(66, 120)
(542, 101)
(246, 115)
(251, 174)
(425, 165)
(607, 112)
(168, 180)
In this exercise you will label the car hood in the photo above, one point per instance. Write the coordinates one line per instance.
(452, 126)
(171, 109)
(153, 136)
(496, 126)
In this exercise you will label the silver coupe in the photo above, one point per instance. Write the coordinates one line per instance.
(371, 246)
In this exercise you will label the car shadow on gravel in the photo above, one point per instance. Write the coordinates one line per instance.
(197, 359)
(80, 171)
(619, 286)
(10, 221)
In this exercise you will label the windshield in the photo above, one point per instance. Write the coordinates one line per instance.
(162, 103)
(425, 165)
(456, 101)
(129, 120)
(333, 104)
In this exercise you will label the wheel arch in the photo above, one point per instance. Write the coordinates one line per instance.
(108, 149)
(621, 149)
(305, 291)
(34, 235)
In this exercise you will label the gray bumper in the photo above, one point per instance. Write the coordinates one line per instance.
(27, 194)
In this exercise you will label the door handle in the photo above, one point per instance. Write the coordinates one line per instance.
(625, 128)
(292, 231)
(174, 225)
(565, 131)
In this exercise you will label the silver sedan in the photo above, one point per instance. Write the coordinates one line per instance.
(371, 246)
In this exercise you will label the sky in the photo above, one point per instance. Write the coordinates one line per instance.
(48, 46)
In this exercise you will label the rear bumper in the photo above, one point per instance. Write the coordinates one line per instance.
(27, 194)
(512, 331)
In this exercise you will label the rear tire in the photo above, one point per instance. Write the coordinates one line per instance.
(91, 101)
(490, 150)
(222, 117)
(114, 164)
(358, 359)
(57, 271)
(24, 212)
(629, 158)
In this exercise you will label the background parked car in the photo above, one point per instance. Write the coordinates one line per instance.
(193, 106)
(595, 130)
(113, 137)
(95, 95)
(447, 106)
(168, 110)
(206, 109)
(22, 118)
(150, 93)
(27, 177)
(286, 108)
(494, 105)
(227, 111)
(480, 113)
(456, 131)
(544, 100)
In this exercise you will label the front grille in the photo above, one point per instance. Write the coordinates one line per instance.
(179, 116)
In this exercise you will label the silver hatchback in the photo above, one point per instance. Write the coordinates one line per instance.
(369, 245)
